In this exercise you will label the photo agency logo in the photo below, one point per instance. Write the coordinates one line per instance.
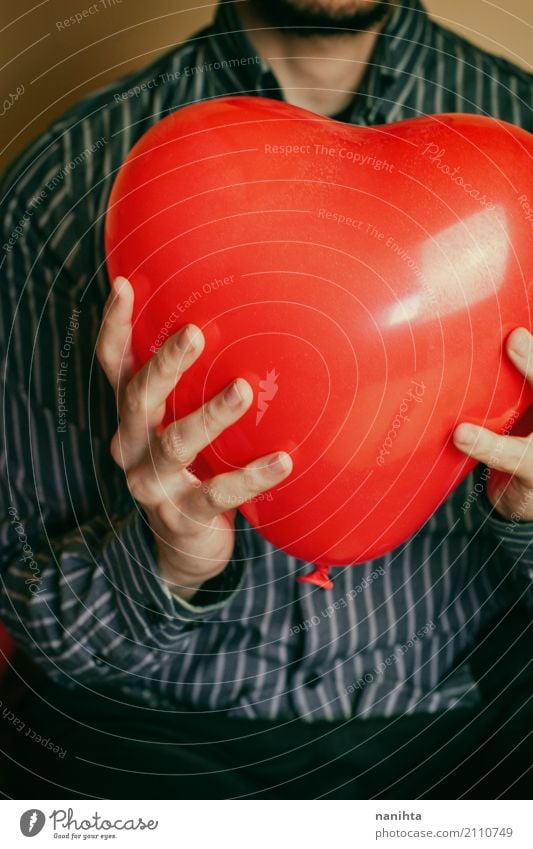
(268, 389)
(32, 822)
(66, 825)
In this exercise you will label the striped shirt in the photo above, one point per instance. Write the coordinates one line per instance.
(80, 590)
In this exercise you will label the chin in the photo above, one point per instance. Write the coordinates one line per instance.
(333, 7)
(305, 17)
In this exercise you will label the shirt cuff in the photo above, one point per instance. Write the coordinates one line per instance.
(214, 594)
(130, 561)
(516, 537)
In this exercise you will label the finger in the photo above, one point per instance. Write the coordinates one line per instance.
(510, 454)
(181, 441)
(157, 478)
(113, 348)
(520, 350)
(232, 489)
(143, 406)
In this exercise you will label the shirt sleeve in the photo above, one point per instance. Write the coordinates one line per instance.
(94, 606)
(80, 588)
(514, 535)
(513, 538)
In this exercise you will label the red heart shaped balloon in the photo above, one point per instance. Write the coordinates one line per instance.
(363, 280)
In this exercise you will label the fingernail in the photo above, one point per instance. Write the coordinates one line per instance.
(232, 396)
(185, 340)
(465, 434)
(520, 343)
(119, 283)
(278, 463)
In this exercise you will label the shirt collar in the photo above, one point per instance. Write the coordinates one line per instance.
(242, 69)
(397, 46)
(239, 69)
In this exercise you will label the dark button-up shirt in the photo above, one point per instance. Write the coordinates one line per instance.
(80, 586)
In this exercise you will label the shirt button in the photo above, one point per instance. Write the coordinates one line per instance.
(312, 679)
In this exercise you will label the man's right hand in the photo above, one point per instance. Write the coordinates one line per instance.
(192, 522)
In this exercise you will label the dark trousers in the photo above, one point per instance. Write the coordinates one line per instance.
(111, 750)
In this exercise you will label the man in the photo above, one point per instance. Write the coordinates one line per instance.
(152, 620)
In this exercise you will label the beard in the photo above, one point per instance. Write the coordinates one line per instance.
(332, 17)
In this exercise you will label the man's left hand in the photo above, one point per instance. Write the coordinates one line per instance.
(510, 458)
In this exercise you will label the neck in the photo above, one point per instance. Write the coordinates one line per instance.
(320, 73)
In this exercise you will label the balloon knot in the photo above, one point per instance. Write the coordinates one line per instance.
(319, 577)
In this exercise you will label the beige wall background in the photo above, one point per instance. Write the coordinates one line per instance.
(46, 66)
